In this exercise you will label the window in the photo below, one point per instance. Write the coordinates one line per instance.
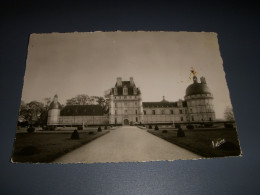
(125, 97)
(181, 118)
(116, 105)
(153, 112)
(191, 110)
(115, 120)
(135, 111)
(125, 91)
(136, 119)
(125, 104)
(115, 91)
(192, 118)
(136, 103)
(115, 112)
(180, 111)
(171, 111)
(162, 112)
(144, 112)
(125, 111)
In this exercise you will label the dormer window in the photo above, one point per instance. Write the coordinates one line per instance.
(135, 90)
(125, 90)
(115, 91)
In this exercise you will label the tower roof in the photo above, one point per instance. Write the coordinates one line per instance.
(197, 88)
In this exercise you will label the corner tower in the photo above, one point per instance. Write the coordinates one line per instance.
(54, 112)
(199, 101)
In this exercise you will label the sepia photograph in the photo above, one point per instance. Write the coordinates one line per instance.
(103, 97)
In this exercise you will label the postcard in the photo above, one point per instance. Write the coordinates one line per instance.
(98, 97)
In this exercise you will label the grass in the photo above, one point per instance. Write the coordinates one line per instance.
(199, 141)
(46, 147)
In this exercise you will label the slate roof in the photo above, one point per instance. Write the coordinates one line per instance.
(162, 104)
(82, 110)
(55, 105)
(129, 87)
(197, 88)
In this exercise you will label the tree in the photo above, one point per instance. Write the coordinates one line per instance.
(228, 114)
(32, 111)
(81, 99)
(84, 99)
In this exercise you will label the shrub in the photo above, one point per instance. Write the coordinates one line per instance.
(74, 135)
(52, 128)
(177, 126)
(99, 129)
(150, 126)
(156, 127)
(208, 124)
(228, 125)
(164, 131)
(91, 133)
(180, 132)
(190, 126)
(143, 125)
(30, 129)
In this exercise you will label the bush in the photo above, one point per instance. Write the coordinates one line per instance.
(79, 127)
(91, 133)
(150, 126)
(99, 129)
(190, 126)
(52, 128)
(164, 131)
(177, 126)
(228, 125)
(156, 127)
(30, 129)
(180, 132)
(208, 124)
(74, 135)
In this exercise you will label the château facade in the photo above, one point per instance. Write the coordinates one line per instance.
(125, 107)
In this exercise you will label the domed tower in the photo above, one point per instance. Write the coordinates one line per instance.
(54, 112)
(199, 101)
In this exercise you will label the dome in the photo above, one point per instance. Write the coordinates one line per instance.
(197, 88)
(55, 105)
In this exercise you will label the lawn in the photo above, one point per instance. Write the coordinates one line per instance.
(199, 141)
(47, 146)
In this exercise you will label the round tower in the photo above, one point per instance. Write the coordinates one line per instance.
(199, 101)
(54, 112)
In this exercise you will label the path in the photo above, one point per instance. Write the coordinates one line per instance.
(127, 144)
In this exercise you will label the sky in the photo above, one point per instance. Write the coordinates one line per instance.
(68, 64)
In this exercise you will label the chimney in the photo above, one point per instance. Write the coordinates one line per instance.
(132, 81)
(119, 81)
(203, 80)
